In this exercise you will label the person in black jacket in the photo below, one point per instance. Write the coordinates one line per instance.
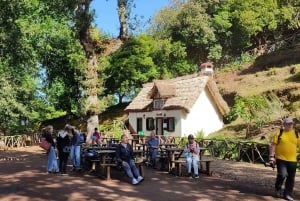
(52, 166)
(63, 147)
(124, 156)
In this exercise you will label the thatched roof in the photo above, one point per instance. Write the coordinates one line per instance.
(165, 89)
(181, 93)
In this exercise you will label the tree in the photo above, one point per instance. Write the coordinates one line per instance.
(256, 110)
(18, 65)
(130, 67)
(188, 23)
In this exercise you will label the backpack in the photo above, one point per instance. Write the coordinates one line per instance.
(280, 134)
(81, 138)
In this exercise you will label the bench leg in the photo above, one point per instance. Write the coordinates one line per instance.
(208, 168)
(141, 169)
(108, 172)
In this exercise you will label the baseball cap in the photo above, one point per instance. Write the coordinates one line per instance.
(190, 136)
(288, 120)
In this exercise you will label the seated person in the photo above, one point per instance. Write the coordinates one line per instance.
(153, 145)
(124, 156)
(192, 151)
(96, 137)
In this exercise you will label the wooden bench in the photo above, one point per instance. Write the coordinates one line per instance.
(106, 168)
(140, 166)
(178, 166)
(94, 163)
(207, 162)
(182, 162)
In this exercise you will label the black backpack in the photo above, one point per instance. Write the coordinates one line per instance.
(280, 134)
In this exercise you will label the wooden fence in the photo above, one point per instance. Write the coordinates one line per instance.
(7, 142)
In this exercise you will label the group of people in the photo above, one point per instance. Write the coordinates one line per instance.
(68, 143)
(283, 152)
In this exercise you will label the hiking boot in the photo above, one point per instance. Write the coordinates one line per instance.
(134, 181)
(288, 197)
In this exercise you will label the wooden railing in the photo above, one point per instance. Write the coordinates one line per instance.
(12, 141)
(233, 150)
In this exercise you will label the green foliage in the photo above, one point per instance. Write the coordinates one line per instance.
(256, 110)
(112, 129)
(200, 134)
(129, 67)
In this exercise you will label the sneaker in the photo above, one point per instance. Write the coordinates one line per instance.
(190, 175)
(278, 193)
(139, 179)
(288, 197)
(196, 176)
(134, 181)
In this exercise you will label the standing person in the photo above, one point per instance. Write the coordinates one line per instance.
(75, 148)
(153, 145)
(63, 147)
(124, 156)
(283, 150)
(192, 151)
(52, 160)
(96, 137)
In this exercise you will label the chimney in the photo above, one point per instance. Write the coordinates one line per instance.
(206, 69)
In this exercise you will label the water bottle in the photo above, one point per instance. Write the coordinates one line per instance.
(187, 154)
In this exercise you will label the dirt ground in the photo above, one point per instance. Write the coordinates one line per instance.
(24, 178)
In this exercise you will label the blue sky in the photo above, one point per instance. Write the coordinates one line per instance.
(107, 17)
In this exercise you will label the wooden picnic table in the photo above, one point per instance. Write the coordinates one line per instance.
(171, 152)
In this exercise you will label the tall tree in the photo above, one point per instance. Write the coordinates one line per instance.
(18, 64)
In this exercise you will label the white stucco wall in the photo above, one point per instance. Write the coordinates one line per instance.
(155, 114)
(203, 115)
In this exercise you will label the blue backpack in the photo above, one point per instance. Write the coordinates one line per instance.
(82, 138)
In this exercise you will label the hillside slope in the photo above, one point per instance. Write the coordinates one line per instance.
(277, 73)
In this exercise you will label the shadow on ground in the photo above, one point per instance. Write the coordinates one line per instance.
(23, 177)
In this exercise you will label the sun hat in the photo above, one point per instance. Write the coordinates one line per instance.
(288, 120)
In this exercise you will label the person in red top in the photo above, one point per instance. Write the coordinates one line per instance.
(96, 137)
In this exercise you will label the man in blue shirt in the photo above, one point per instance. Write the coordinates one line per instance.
(153, 145)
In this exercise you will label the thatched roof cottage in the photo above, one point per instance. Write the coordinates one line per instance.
(178, 107)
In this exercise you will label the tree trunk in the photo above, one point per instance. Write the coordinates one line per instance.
(122, 4)
(91, 72)
(92, 123)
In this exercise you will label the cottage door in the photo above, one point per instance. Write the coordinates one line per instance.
(159, 126)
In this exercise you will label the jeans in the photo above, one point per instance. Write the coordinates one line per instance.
(131, 170)
(285, 170)
(52, 161)
(153, 154)
(192, 160)
(75, 156)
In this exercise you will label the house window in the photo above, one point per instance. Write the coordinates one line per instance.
(158, 103)
(169, 123)
(139, 124)
(150, 124)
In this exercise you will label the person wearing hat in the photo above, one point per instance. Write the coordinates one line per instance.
(192, 151)
(284, 151)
